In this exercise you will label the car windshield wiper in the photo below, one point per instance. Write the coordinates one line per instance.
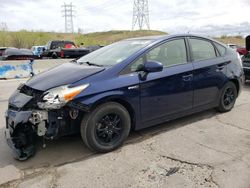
(90, 64)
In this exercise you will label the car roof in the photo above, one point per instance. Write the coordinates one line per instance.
(160, 38)
(164, 37)
(61, 41)
(16, 51)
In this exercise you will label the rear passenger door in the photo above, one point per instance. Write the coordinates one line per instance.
(209, 71)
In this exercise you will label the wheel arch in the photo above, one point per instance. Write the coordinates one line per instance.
(237, 84)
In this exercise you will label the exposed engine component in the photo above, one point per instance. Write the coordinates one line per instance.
(39, 118)
(41, 129)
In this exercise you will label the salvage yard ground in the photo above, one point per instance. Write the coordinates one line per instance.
(207, 149)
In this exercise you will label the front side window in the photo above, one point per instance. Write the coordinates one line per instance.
(170, 53)
(202, 49)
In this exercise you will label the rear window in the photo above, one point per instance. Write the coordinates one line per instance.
(57, 44)
(220, 48)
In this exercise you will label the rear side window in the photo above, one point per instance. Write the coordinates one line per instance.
(170, 53)
(220, 48)
(202, 49)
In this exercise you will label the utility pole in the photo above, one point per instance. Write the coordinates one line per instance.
(140, 15)
(68, 14)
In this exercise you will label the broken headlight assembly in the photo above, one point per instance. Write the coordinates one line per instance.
(57, 97)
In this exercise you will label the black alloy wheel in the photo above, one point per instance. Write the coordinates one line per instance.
(106, 127)
(109, 129)
(228, 97)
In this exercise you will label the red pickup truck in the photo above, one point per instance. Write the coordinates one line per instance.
(63, 49)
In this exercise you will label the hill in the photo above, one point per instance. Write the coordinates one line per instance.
(239, 40)
(26, 39)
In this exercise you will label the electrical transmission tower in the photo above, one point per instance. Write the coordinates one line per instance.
(3, 26)
(68, 13)
(140, 14)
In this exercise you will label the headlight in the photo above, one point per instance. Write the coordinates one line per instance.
(57, 97)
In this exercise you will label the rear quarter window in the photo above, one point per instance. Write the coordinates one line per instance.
(220, 48)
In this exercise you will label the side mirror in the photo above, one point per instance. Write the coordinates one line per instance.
(248, 43)
(152, 66)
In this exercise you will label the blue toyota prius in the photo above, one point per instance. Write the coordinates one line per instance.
(128, 85)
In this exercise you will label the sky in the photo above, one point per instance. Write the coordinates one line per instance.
(205, 17)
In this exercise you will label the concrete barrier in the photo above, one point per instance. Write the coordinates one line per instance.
(23, 68)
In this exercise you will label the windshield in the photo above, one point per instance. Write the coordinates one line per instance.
(114, 53)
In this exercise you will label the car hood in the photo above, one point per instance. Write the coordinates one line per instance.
(64, 74)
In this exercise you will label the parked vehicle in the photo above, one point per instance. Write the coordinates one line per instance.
(73, 52)
(246, 60)
(2, 49)
(246, 66)
(128, 85)
(241, 50)
(63, 49)
(17, 54)
(38, 50)
(53, 48)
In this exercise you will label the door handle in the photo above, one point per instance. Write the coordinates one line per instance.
(187, 77)
(222, 65)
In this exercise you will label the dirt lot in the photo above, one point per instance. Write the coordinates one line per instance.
(207, 149)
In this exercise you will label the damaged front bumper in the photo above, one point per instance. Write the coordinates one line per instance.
(19, 153)
(25, 122)
(21, 131)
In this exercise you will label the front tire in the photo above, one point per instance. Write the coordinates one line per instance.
(106, 127)
(228, 97)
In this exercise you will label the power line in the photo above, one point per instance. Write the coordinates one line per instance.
(68, 14)
(140, 14)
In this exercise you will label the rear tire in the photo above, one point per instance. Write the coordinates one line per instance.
(106, 127)
(228, 97)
